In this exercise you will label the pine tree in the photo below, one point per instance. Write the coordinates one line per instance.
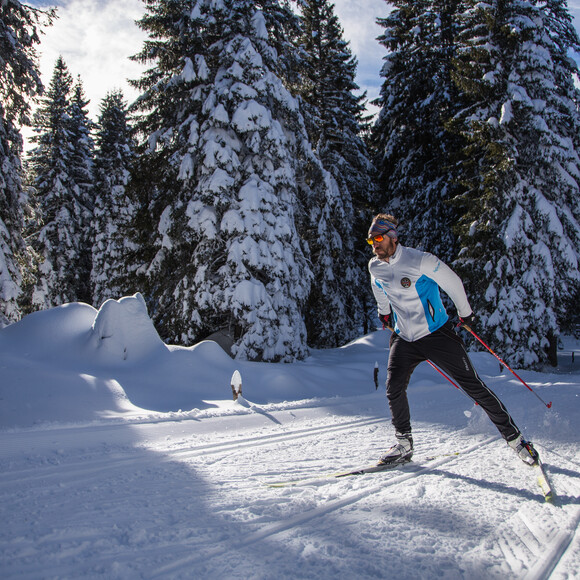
(59, 173)
(81, 171)
(114, 208)
(223, 139)
(19, 82)
(520, 228)
(415, 150)
(339, 214)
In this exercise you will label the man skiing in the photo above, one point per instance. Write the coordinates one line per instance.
(406, 283)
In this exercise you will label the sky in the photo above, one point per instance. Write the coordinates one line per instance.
(97, 37)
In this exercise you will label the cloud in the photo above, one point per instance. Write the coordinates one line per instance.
(95, 39)
(358, 20)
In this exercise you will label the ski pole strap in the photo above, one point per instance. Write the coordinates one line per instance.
(468, 328)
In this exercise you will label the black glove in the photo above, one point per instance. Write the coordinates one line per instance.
(386, 320)
(468, 320)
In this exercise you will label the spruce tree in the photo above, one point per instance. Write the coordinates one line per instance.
(11, 221)
(114, 209)
(520, 229)
(339, 209)
(59, 167)
(222, 143)
(81, 171)
(19, 83)
(415, 151)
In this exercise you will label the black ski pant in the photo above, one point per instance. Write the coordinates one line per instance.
(445, 349)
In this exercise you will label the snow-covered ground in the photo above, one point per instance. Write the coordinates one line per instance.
(122, 457)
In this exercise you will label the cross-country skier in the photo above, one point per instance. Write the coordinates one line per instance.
(406, 283)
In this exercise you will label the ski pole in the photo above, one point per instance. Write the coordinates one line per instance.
(444, 375)
(448, 378)
(468, 328)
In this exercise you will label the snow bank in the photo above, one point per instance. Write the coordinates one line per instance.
(74, 364)
(123, 331)
(49, 334)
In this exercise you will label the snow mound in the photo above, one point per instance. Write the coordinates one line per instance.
(52, 334)
(123, 331)
(75, 365)
(52, 362)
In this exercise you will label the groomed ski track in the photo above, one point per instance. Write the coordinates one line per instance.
(184, 499)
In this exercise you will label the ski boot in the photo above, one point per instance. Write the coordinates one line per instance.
(525, 450)
(401, 452)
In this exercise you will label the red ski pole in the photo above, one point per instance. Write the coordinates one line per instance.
(444, 375)
(468, 328)
(448, 378)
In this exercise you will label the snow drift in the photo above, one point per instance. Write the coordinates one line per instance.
(111, 363)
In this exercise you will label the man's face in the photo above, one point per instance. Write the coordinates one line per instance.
(384, 249)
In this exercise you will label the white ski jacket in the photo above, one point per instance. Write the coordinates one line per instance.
(408, 284)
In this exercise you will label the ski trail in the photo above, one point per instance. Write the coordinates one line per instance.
(532, 550)
(272, 438)
(304, 517)
(531, 545)
(136, 457)
(553, 549)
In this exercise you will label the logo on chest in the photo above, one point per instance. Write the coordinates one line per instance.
(405, 282)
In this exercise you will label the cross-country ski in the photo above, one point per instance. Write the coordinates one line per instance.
(375, 468)
(357, 471)
(543, 481)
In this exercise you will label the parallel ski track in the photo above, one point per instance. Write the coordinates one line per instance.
(553, 548)
(550, 546)
(329, 507)
(135, 457)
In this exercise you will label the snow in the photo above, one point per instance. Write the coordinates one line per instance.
(186, 168)
(251, 116)
(124, 457)
(165, 223)
(506, 113)
(259, 23)
(188, 73)
(218, 181)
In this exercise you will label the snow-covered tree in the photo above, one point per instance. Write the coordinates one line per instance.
(11, 221)
(83, 145)
(114, 208)
(59, 173)
(339, 208)
(19, 82)
(222, 143)
(81, 171)
(415, 150)
(520, 229)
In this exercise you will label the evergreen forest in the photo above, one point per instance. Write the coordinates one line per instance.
(236, 192)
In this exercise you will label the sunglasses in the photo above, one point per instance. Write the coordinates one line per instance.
(379, 238)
